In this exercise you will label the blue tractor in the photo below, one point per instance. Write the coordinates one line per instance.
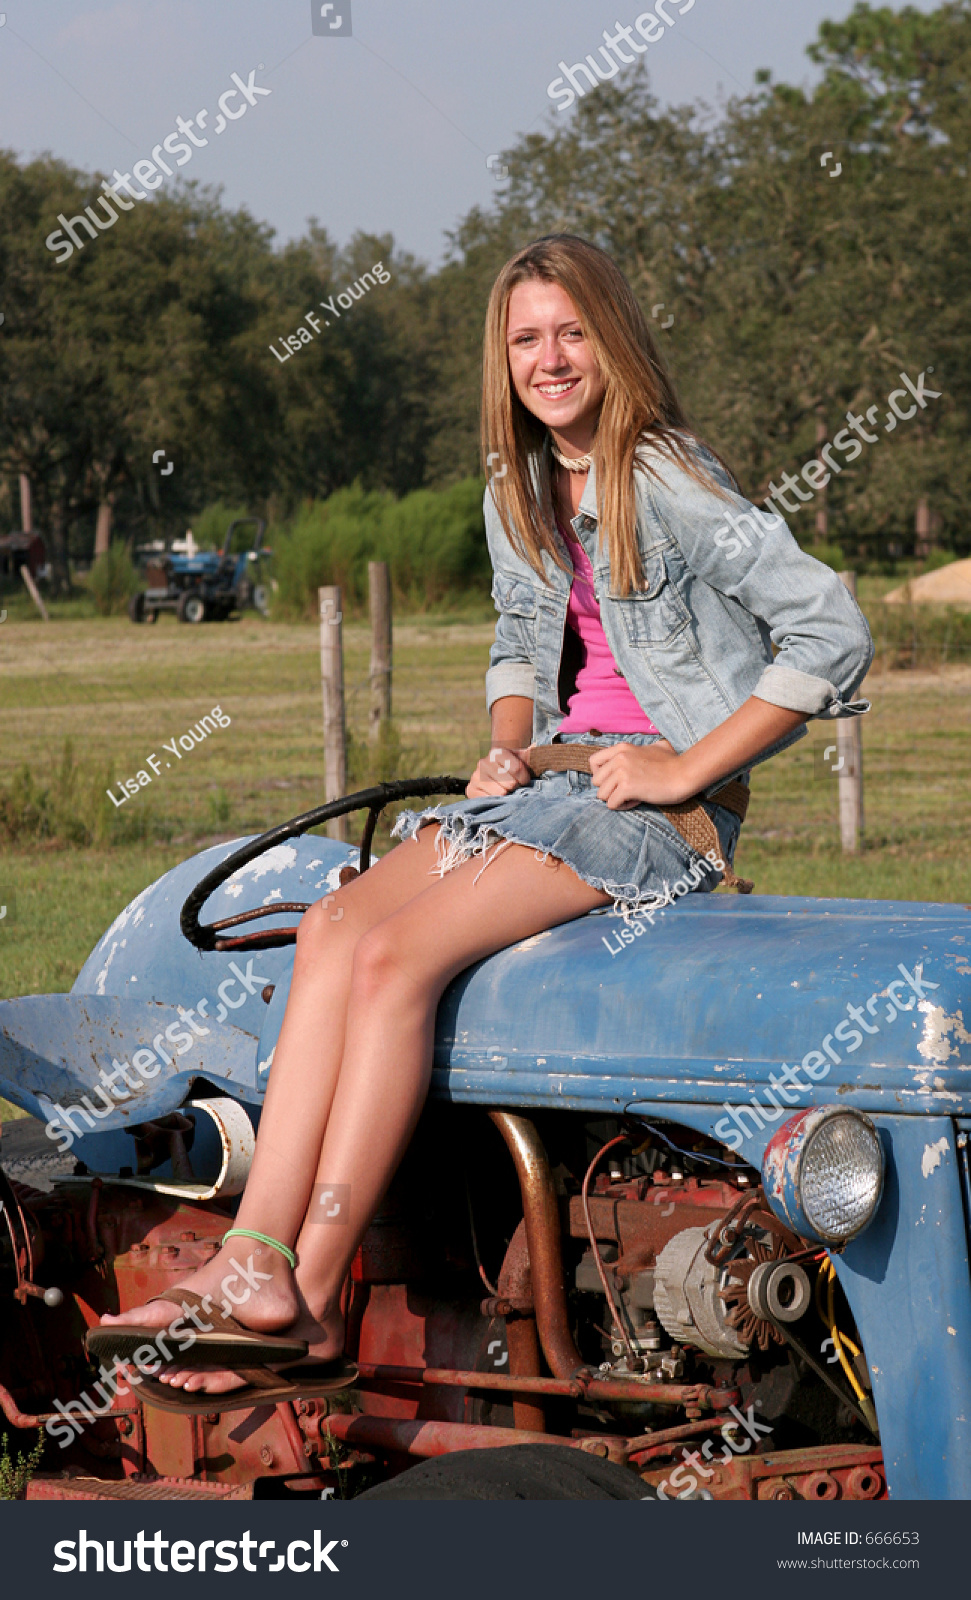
(689, 1211)
(208, 585)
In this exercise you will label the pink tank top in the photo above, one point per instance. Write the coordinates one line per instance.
(603, 701)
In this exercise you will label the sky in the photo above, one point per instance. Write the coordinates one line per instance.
(393, 121)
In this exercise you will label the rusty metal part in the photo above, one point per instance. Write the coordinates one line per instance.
(20, 1240)
(168, 1138)
(291, 1427)
(582, 1385)
(23, 1419)
(27, 1419)
(633, 1360)
(522, 1339)
(541, 1214)
(88, 1488)
(641, 1216)
(753, 1230)
(205, 936)
(857, 1472)
(648, 1446)
(425, 1438)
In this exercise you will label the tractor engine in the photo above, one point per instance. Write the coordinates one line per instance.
(619, 1286)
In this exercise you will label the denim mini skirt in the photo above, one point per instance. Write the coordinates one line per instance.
(637, 857)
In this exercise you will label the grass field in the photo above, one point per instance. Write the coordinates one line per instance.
(120, 693)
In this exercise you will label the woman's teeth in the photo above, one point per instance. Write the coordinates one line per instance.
(553, 389)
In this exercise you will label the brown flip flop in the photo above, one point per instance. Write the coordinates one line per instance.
(264, 1388)
(226, 1344)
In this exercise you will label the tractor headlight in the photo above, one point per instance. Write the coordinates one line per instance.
(823, 1173)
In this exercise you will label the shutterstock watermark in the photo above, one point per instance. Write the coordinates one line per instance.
(650, 25)
(330, 1202)
(150, 173)
(145, 1063)
(685, 1483)
(188, 741)
(292, 342)
(735, 535)
(148, 1358)
(817, 1064)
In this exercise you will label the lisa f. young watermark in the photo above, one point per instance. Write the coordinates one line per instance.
(233, 103)
(736, 537)
(817, 1064)
(292, 342)
(188, 741)
(650, 25)
(710, 862)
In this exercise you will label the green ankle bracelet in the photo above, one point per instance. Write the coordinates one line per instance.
(263, 1238)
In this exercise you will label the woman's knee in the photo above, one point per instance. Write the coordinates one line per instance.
(323, 930)
(381, 963)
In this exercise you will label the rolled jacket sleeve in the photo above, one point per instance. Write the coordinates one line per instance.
(823, 644)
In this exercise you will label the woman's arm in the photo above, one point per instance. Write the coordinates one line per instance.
(627, 774)
(504, 769)
(822, 642)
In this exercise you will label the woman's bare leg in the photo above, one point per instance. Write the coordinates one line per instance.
(302, 1083)
(400, 969)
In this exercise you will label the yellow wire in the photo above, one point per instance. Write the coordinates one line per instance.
(839, 1340)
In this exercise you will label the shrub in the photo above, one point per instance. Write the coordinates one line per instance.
(111, 581)
(830, 555)
(209, 527)
(939, 558)
(69, 804)
(15, 1475)
(433, 541)
(919, 636)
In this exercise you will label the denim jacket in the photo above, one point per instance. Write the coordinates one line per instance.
(731, 607)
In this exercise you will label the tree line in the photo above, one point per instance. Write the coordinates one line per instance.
(789, 298)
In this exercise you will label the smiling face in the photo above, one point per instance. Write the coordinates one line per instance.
(553, 369)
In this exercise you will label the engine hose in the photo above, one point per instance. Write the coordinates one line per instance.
(541, 1216)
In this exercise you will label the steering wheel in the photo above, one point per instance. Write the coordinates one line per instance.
(205, 936)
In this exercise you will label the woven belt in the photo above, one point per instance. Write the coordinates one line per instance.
(689, 817)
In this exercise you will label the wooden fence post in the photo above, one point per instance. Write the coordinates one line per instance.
(379, 593)
(332, 684)
(849, 750)
(33, 591)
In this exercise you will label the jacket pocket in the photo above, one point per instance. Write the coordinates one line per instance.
(513, 594)
(657, 613)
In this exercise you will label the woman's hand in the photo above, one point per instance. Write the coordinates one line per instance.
(498, 773)
(627, 775)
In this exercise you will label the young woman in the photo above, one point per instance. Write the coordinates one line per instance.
(646, 610)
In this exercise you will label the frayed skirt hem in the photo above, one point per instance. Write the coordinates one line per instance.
(458, 841)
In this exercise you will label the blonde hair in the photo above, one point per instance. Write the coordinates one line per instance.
(639, 406)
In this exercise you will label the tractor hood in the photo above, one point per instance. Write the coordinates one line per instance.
(856, 1002)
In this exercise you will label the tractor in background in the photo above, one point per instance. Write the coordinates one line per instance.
(207, 585)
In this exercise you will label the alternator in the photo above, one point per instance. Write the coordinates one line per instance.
(687, 1299)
